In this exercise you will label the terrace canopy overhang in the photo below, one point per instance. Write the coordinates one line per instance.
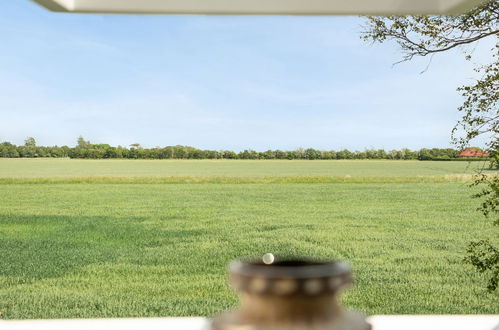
(263, 7)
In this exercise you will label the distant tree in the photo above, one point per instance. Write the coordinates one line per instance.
(292, 155)
(8, 150)
(29, 149)
(311, 154)
(328, 155)
(135, 146)
(347, 154)
(371, 154)
(30, 142)
(81, 143)
(381, 154)
(341, 154)
(279, 154)
(299, 153)
(248, 154)
(226, 154)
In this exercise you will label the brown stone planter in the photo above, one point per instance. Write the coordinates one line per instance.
(290, 294)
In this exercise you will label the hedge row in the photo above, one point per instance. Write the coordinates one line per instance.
(85, 149)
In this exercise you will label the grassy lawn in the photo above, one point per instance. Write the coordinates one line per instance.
(108, 250)
(60, 168)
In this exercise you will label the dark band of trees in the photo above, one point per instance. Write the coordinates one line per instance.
(86, 150)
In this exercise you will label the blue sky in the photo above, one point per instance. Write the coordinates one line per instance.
(218, 82)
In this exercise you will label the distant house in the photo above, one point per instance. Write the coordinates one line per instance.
(472, 152)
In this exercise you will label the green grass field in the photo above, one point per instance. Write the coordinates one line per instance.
(68, 168)
(123, 250)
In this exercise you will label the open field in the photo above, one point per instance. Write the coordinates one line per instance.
(68, 168)
(121, 250)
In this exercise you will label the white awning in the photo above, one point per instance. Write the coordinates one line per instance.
(263, 7)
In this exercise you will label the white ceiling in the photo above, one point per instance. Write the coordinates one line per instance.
(264, 7)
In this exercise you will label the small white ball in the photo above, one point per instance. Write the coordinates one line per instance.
(268, 258)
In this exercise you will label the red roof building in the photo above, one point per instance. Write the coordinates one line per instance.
(472, 152)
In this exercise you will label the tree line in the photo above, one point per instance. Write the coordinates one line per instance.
(87, 150)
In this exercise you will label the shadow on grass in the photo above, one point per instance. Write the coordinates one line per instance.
(36, 247)
(47, 246)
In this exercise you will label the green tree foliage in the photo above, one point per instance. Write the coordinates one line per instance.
(81, 143)
(30, 142)
(437, 154)
(8, 150)
(87, 150)
(420, 36)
